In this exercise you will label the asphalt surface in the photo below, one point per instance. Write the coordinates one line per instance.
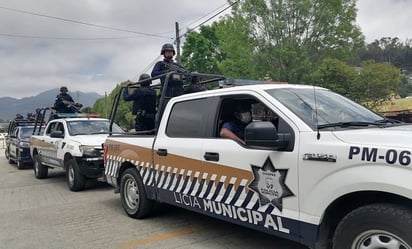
(45, 214)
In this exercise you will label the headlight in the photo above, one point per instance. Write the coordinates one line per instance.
(88, 150)
(24, 144)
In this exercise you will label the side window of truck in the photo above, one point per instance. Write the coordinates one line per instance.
(188, 119)
(259, 111)
(51, 128)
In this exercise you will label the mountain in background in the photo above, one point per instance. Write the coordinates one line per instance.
(9, 107)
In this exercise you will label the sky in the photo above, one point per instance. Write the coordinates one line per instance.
(93, 45)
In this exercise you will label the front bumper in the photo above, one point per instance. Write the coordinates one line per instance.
(25, 155)
(91, 167)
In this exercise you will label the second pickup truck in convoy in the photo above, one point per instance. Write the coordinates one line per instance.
(315, 167)
(72, 143)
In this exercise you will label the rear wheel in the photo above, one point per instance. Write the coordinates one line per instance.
(40, 170)
(374, 226)
(133, 195)
(75, 180)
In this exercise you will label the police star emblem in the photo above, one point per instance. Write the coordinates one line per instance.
(269, 184)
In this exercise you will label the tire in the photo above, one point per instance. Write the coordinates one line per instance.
(40, 171)
(19, 162)
(75, 180)
(375, 226)
(7, 154)
(133, 195)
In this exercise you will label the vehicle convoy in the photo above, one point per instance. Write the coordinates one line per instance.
(71, 143)
(17, 142)
(315, 167)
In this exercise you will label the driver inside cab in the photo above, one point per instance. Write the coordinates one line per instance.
(235, 128)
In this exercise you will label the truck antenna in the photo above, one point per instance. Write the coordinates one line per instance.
(316, 113)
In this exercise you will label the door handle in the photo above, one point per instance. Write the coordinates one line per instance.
(162, 152)
(211, 156)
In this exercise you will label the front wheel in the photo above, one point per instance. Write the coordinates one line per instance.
(133, 195)
(75, 180)
(7, 154)
(40, 170)
(19, 161)
(386, 226)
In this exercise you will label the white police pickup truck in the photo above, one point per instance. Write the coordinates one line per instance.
(315, 167)
(74, 144)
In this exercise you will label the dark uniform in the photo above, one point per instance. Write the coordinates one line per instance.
(175, 83)
(59, 104)
(144, 105)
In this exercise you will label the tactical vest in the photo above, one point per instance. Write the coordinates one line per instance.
(146, 102)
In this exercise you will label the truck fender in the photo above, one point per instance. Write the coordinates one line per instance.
(377, 178)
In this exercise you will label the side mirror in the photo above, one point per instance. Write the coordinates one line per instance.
(57, 134)
(264, 135)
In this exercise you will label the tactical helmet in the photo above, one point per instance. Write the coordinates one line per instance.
(167, 47)
(145, 76)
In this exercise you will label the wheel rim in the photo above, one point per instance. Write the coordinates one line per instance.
(379, 239)
(131, 193)
(36, 167)
(71, 175)
(18, 160)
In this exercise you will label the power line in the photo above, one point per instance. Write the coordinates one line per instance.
(67, 38)
(84, 23)
(206, 15)
(210, 18)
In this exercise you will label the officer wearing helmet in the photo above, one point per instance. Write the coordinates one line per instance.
(144, 103)
(174, 86)
(64, 102)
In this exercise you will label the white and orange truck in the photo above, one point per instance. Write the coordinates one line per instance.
(316, 167)
(72, 142)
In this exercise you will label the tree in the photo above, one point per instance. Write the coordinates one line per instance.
(201, 50)
(388, 50)
(290, 35)
(337, 76)
(371, 84)
(124, 116)
(378, 82)
(238, 49)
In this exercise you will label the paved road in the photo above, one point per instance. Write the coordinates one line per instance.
(45, 214)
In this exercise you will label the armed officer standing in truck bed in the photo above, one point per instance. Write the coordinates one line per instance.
(175, 85)
(64, 102)
(144, 104)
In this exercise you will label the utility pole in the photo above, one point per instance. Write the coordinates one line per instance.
(177, 42)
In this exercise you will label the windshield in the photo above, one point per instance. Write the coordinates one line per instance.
(320, 107)
(26, 132)
(88, 127)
